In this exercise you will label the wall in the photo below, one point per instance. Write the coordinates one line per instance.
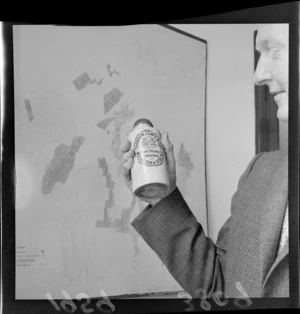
(77, 93)
(230, 141)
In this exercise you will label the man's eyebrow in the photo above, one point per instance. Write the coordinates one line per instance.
(267, 43)
(261, 44)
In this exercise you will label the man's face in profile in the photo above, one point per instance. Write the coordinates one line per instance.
(272, 69)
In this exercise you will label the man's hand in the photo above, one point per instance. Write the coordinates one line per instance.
(127, 161)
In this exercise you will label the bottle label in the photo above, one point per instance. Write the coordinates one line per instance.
(148, 148)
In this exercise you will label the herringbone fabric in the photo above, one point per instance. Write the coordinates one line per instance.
(245, 253)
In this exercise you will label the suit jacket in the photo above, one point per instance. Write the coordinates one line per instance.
(244, 258)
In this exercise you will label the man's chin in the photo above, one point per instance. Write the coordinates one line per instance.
(283, 114)
(282, 101)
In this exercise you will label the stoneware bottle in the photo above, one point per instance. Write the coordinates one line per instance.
(149, 172)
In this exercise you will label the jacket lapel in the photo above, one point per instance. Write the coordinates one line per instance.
(272, 218)
(283, 253)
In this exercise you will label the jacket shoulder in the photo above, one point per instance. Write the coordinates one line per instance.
(276, 155)
(268, 160)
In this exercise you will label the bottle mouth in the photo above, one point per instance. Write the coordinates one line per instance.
(143, 121)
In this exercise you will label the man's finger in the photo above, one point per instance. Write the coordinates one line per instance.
(170, 158)
(125, 146)
(126, 169)
(169, 149)
(127, 155)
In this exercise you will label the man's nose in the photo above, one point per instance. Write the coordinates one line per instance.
(262, 76)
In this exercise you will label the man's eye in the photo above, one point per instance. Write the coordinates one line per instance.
(276, 53)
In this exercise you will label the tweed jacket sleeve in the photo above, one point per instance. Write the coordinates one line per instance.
(172, 231)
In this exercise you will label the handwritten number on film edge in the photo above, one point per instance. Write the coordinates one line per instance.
(185, 295)
(242, 302)
(104, 305)
(84, 308)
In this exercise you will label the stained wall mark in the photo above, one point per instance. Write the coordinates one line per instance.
(110, 71)
(105, 123)
(184, 158)
(61, 165)
(83, 80)
(111, 99)
(28, 109)
(106, 222)
(122, 117)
